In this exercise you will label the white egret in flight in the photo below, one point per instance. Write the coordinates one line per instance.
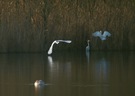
(100, 35)
(57, 42)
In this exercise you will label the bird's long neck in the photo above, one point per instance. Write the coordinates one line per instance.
(88, 43)
(101, 33)
(51, 48)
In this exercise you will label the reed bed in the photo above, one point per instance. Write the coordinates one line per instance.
(32, 25)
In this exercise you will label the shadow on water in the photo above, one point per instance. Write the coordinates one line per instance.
(68, 74)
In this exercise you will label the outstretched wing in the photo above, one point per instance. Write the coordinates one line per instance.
(66, 41)
(96, 34)
(106, 33)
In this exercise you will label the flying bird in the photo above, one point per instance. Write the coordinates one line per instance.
(101, 35)
(57, 42)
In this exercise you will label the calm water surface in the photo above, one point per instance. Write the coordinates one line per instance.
(68, 74)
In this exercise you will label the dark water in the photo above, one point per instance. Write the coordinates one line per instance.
(68, 74)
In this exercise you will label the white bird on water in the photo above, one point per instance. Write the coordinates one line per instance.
(39, 83)
(88, 51)
(57, 42)
(100, 35)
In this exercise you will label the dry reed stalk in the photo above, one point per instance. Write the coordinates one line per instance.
(31, 26)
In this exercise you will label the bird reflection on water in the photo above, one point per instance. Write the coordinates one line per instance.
(50, 60)
(39, 86)
(108, 74)
(102, 70)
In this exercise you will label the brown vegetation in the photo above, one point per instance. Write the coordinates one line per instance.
(32, 25)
